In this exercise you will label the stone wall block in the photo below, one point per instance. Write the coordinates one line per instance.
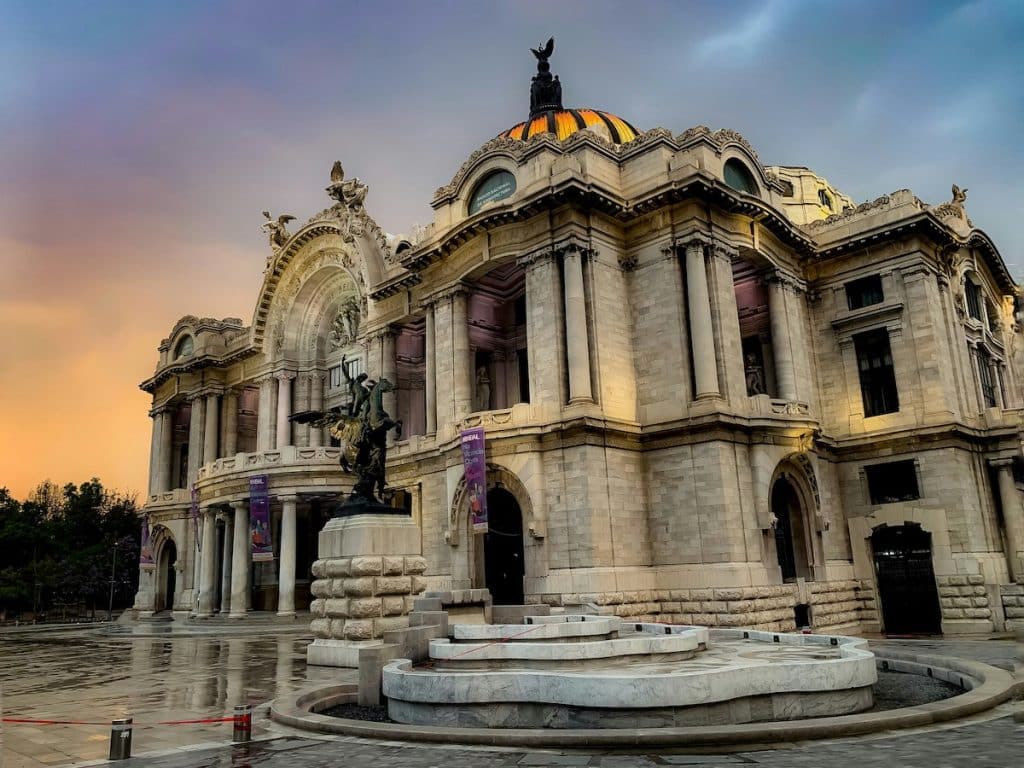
(389, 624)
(336, 608)
(392, 585)
(976, 580)
(1015, 612)
(367, 566)
(320, 588)
(319, 569)
(418, 584)
(339, 566)
(415, 564)
(337, 587)
(958, 581)
(393, 566)
(360, 587)
(701, 594)
(338, 628)
(705, 619)
(364, 607)
(679, 594)
(962, 602)
(977, 613)
(320, 628)
(979, 602)
(393, 605)
(728, 594)
(361, 629)
(318, 607)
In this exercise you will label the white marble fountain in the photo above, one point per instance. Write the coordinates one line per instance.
(576, 671)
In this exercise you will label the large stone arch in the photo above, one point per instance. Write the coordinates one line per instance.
(497, 477)
(798, 470)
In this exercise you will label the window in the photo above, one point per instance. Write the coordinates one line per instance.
(497, 186)
(185, 347)
(973, 293)
(877, 376)
(988, 390)
(864, 292)
(824, 199)
(335, 380)
(892, 482)
(738, 177)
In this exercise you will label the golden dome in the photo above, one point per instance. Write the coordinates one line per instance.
(565, 122)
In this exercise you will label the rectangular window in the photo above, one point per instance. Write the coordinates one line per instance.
(877, 375)
(335, 377)
(892, 482)
(973, 293)
(988, 389)
(864, 292)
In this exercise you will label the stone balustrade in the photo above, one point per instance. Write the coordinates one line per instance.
(288, 455)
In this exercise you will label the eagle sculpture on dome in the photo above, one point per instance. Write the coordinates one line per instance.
(544, 53)
(350, 193)
(276, 230)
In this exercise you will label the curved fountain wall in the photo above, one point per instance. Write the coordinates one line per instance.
(599, 672)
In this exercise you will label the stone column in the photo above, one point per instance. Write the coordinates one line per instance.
(210, 427)
(165, 455)
(226, 559)
(545, 318)
(286, 573)
(208, 564)
(997, 383)
(702, 340)
(1013, 519)
(300, 432)
(316, 403)
(460, 353)
(154, 451)
(576, 345)
(265, 427)
(785, 378)
(389, 371)
(240, 560)
(430, 383)
(231, 422)
(195, 439)
(284, 408)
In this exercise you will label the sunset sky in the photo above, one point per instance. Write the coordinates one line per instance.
(139, 142)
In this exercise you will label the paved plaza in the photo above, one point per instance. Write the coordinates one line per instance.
(93, 677)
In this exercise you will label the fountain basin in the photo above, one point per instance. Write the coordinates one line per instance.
(743, 676)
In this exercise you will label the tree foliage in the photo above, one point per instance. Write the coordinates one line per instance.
(61, 546)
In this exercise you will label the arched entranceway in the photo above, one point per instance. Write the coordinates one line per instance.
(503, 548)
(790, 531)
(906, 580)
(166, 576)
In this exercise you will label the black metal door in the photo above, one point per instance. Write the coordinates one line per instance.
(503, 548)
(906, 580)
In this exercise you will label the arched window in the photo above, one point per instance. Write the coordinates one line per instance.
(739, 177)
(185, 347)
(972, 292)
(496, 186)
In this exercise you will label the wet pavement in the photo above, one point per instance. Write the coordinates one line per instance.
(93, 676)
(90, 676)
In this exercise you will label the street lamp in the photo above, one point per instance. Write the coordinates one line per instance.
(113, 570)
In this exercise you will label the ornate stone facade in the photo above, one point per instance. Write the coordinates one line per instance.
(718, 392)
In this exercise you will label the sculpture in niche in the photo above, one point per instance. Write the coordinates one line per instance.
(362, 428)
(482, 401)
(276, 229)
(755, 375)
(345, 327)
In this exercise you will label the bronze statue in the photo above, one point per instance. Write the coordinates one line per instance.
(545, 91)
(362, 431)
(276, 230)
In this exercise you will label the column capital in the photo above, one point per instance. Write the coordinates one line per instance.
(284, 375)
(237, 504)
(786, 280)
(160, 410)
(287, 498)
(449, 292)
(1002, 462)
(724, 251)
(537, 257)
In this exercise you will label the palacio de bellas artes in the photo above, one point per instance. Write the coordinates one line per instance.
(710, 390)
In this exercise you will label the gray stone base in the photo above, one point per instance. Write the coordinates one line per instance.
(336, 653)
(749, 709)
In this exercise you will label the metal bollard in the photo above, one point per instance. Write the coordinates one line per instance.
(120, 739)
(243, 724)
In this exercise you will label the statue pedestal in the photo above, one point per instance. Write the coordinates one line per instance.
(369, 570)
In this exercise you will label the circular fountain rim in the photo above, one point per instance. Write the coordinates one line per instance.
(988, 687)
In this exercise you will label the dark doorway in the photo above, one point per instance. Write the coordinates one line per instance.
(790, 543)
(503, 548)
(906, 580)
(168, 558)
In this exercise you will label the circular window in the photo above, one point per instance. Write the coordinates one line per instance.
(185, 348)
(497, 186)
(738, 177)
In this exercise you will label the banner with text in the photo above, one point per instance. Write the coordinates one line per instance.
(145, 547)
(259, 520)
(475, 465)
(195, 518)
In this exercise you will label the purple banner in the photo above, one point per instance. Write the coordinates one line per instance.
(475, 466)
(259, 520)
(145, 548)
(195, 518)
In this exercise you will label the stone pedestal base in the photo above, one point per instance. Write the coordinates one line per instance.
(366, 578)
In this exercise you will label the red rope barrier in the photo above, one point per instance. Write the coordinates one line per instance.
(30, 721)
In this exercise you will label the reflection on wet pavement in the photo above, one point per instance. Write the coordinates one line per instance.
(87, 676)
